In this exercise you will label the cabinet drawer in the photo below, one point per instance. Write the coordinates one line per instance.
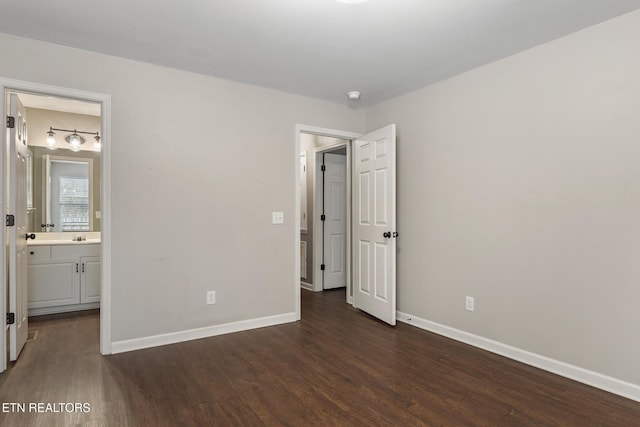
(74, 251)
(39, 252)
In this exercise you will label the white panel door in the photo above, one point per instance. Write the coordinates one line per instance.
(374, 224)
(335, 223)
(17, 206)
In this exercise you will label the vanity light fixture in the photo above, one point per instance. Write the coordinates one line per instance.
(75, 140)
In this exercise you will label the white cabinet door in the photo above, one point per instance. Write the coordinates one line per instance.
(54, 282)
(89, 279)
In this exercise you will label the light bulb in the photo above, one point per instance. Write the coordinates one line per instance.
(74, 140)
(51, 139)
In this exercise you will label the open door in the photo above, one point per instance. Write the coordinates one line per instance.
(374, 224)
(17, 206)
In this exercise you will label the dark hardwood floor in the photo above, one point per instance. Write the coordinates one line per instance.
(337, 367)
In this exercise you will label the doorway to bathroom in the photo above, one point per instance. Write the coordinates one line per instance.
(56, 164)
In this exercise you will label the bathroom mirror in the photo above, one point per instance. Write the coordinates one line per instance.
(65, 191)
(63, 185)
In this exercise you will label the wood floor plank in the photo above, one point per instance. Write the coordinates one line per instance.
(336, 367)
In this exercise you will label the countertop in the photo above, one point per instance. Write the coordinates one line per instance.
(43, 242)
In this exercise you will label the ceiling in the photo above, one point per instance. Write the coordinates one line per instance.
(75, 106)
(316, 48)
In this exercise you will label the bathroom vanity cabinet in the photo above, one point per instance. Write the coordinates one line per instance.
(63, 278)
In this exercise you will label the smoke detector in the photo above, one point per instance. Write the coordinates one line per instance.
(353, 95)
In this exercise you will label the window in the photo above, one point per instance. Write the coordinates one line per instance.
(74, 203)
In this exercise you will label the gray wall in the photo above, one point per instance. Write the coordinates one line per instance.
(519, 185)
(198, 165)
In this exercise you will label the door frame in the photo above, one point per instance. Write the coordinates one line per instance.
(320, 131)
(318, 248)
(104, 100)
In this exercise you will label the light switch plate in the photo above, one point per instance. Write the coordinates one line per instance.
(277, 217)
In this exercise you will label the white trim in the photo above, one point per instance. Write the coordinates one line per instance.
(299, 128)
(105, 229)
(198, 333)
(105, 181)
(307, 286)
(585, 376)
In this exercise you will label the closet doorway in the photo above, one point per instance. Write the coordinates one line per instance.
(324, 212)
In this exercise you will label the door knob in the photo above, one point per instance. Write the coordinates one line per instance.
(386, 234)
(30, 236)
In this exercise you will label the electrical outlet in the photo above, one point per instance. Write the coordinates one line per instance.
(469, 304)
(211, 297)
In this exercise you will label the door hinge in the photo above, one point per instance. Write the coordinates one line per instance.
(11, 220)
(323, 217)
(323, 168)
(11, 122)
(322, 267)
(11, 318)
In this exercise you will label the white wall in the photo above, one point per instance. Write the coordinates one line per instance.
(519, 184)
(198, 164)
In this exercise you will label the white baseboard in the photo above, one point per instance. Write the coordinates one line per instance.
(594, 379)
(307, 286)
(63, 309)
(194, 334)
